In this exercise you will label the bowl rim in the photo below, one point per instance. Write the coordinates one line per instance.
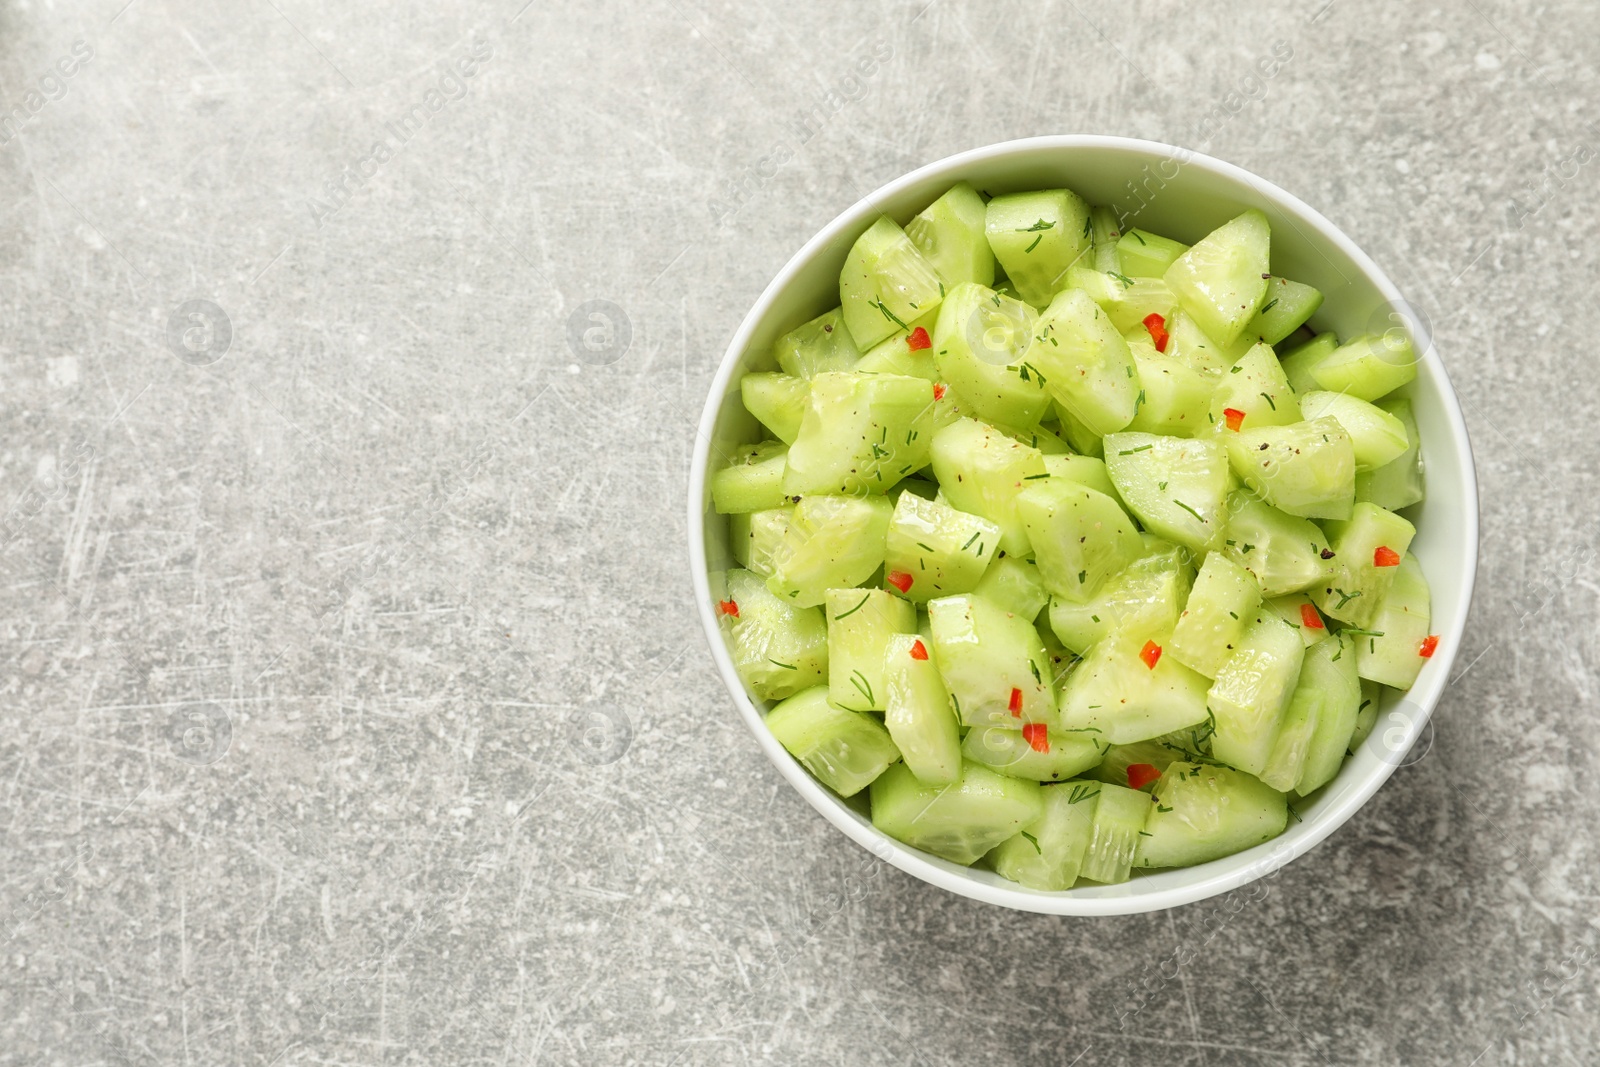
(1422, 698)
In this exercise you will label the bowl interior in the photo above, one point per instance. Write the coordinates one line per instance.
(1182, 195)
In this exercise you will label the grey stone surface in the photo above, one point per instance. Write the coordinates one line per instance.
(354, 707)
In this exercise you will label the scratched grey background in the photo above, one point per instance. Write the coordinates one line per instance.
(354, 709)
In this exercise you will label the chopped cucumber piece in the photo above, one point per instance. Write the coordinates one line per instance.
(1187, 342)
(755, 535)
(1369, 366)
(1129, 691)
(1038, 437)
(1080, 537)
(823, 344)
(1085, 470)
(886, 282)
(1285, 553)
(1284, 309)
(1076, 432)
(860, 625)
(981, 470)
(1398, 483)
(752, 480)
(1376, 436)
(992, 662)
(1128, 301)
(846, 750)
(1104, 230)
(1119, 818)
(1088, 367)
(1251, 692)
(833, 542)
(1143, 598)
(1177, 487)
(981, 347)
(1289, 751)
(1256, 389)
(1203, 812)
(1048, 853)
(1221, 280)
(1392, 653)
(1306, 468)
(1036, 237)
(1366, 714)
(778, 401)
(959, 821)
(1367, 551)
(861, 433)
(1157, 752)
(917, 711)
(949, 234)
(894, 354)
(1221, 604)
(1142, 254)
(1298, 611)
(777, 648)
(1299, 361)
(1173, 397)
(1014, 584)
(1039, 753)
(933, 550)
(1329, 670)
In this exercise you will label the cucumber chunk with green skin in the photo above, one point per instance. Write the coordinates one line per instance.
(1298, 362)
(754, 535)
(823, 344)
(1284, 309)
(1203, 812)
(1014, 584)
(861, 433)
(1398, 483)
(1177, 487)
(1116, 691)
(1048, 853)
(833, 542)
(1289, 751)
(981, 346)
(1366, 714)
(1104, 231)
(846, 750)
(1187, 342)
(752, 480)
(1076, 433)
(1087, 365)
(1369, 366)
(992, 662)
(1087, 471)
(1251, 692)
(1306, 468)
(1295, 609)
(981, 471)
(777, 648)
(942, 550)
(917, 711)
(1143, 598)
(958, 821)
(1256, 387)
(1036, 237)
(1222, 279)
(894, 354)
(1052, 755)
(1391, 654)
(1329, 670)
(950, 235)
(860, 625)
(885, 284)
(1173, 397)
(1354, 591)
(1119, 818)
(1221, 604)
(778, 401)
(1080, 537)
(1142, 254)
(1285, 553)
(1376, 436)
(1128, 301)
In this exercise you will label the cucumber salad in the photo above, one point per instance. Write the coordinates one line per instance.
(1070, 549)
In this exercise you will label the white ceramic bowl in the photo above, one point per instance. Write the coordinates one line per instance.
(1179, 193)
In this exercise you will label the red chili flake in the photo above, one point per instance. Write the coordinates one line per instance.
(1037, 734)
(1384, 556)
(1309, 616)
(1235, 418)
(1141, 775)
(938, 390)
(1429, 643)
(918, 340)
(900, 580)
(1015, 706)
(919, 650)
(729, 608)
(1158, 330)
(1151, 654)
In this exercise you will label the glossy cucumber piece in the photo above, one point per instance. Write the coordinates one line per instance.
(1037, 437)
(861, 433)
(1221, 604)
(1285, 553)
(1116, 691)
(1119, 819)
(1176, 487)
(1087, 471)
(1284, 309)
(1222, 279)
(1087, 365)
(917, 711)
(1366, 713)
(1142, 254)
(1297, 362)
(1080, 537)
(1391, 653)
(754, 535)
(1295, 733)
(1036, 237)
(1048, 853)
(778, 401)
(1014, 584)
(1040, 754)
(860, 624)
(1257, 388)
(1203, 812)
(1251, 692)
(1306, 468)
(950, 235)
(981, 347)
(823, 344)
(1156, 752)
(1142, 598)
(959, 821)
(993, 663)
(1076, 433)
(1173, 397)
(1354, 590)
(1376, 436)
(1329, 670)
(777, 648)
(1128, 301)
(1188, 342)
(934, 550)
(1298, 611)
(845, 750)
(1369, 366)
(832, 542)
(894, 354)
(1398, 483)
(885, 284)
(752, 480)
(981, 470)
